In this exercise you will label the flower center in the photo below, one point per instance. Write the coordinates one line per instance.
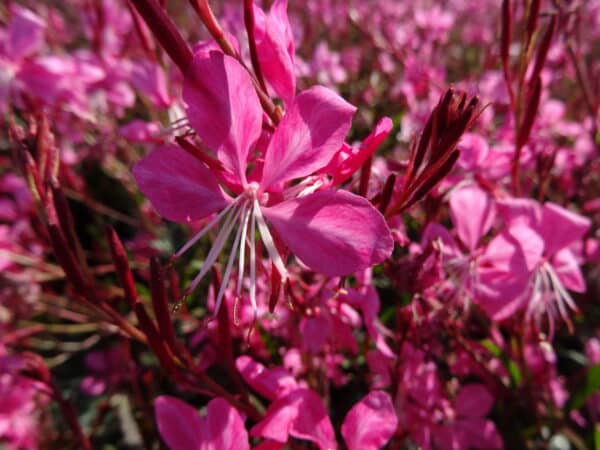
(549, 297)
(245, 212)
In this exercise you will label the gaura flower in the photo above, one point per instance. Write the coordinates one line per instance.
(332, 232)
(536, 263)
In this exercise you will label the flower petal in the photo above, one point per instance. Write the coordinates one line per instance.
(223, 108)
(179, 186)
(479, 433)
(275, 48)
(530, 243)
(25, 33)
(223, 427)
(370, 423)
(178, 423)
(270, 383)
(335, 233)
(473, 400)
(560, 227)
(348, 159)
(315, 332)
(311, 132)
(568, 271)
(182, 428)
(300, 414)
(472, 212)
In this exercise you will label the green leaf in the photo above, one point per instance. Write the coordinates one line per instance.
(590, 385)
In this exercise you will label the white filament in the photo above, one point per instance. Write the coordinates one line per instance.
(227, 274)
(216, 248)
(253, 264)
(268, 240)
(242, 259)
(205, 229)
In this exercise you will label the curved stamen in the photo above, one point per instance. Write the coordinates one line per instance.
(216, 248)
(269, 243)
(227, 273)
(205, 229)
(253, 261)
(242, 259)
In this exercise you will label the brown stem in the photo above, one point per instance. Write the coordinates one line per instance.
(165, 32)
(365, 175)
(249, 22)
(209, 20)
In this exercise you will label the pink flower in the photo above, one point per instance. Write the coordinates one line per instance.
(182, 428)
(275, 49)
(300, 414)
(332, 232)
(468, 428)
(543, 266)
(470, 230)
(370, 423)
(270, 383)
(20, 404)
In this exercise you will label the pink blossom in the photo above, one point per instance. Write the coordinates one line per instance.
(275, 48)
(370, 423)
(182, 428)
(331, 232)
(299, 414)
(544, 266)
(270, 383)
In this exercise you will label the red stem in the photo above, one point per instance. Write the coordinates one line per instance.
(249, 21)
(165, 32)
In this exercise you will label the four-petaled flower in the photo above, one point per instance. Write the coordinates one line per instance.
(332, 232)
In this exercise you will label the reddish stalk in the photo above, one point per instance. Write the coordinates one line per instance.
(165, 32)
(249, 22)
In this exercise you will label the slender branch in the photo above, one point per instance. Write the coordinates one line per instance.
(249, 21)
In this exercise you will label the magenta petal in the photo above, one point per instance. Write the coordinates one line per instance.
(473, 213)
(223, 108)
(300, 414)
(25, 33)
(179, 186)
(560, 227)
(342, 168)
(519, 209)
(223, 427)
(473, 400)
(370, 423)
(530, 242)
(501, 294)
(479, 434)
(567, 269)
(315, 332)
(150, 79)
(311, 132)
(275, 48)
(182, 428)
(335, 233)
(178, 423)
(270, 383)
(434, 232)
